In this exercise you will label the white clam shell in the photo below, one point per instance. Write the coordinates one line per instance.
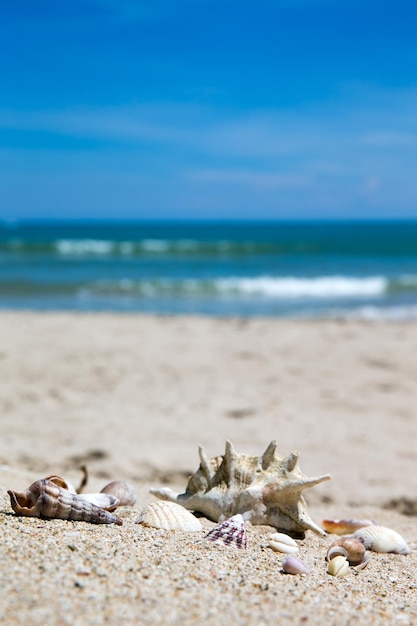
(230, 532)
(382, 539)
(293, 565)
(168, 516)
(103, 500)
(280, 542)
(338, 566)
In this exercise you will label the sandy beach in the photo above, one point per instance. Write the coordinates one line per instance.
(133, 396)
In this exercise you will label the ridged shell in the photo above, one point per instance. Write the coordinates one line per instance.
(282, 543)
(123, 491)
(265, 489)
(231, 531)
(344, 526)
(45, 499)
(382, 539)
(168, 516)
(338, 566)
(293, 565)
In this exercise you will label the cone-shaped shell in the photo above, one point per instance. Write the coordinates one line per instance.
(231, 532)
(265, 489)
(123, 491)
(168, 516)
(382, 539)
(44, 498)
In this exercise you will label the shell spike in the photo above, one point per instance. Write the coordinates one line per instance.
(290, 462)
(307, 483)
(204, 464)
(269, 455)
(230, 460)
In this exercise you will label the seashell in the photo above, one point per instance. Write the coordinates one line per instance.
(44, 498)
(344, 526)
(104, 500)
(382, 539)
(338, 566)
(266, 489)
(283, 543)
(168, 516)
(350, 547)
(123, 491)
(293, 565)
(231, 531)
(61, 482)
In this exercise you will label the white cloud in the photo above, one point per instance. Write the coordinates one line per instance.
(357, 150)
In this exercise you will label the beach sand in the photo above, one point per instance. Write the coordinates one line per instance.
(133, 396)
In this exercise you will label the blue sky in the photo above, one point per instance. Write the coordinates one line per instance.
(208, 109)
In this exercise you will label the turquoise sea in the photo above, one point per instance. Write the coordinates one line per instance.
(291, 269)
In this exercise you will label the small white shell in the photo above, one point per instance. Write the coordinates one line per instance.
(338, 566)
(280, 542)
(168, 516)
(104, 500)
(382, 539)
(230, 532)
(293, 565)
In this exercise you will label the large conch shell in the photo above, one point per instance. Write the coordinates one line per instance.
(265, 490)
(45, 498)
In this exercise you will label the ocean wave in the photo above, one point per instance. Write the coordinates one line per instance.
(331, 287)
(318, 287)
(153, 247)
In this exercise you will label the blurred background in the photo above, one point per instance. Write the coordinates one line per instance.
(209, 156)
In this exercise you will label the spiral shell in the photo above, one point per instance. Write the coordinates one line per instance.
(44, 498)
(230, 532)
(293, 565)
(350, 547)
(382, 539)
(168, 516)
(280, 542)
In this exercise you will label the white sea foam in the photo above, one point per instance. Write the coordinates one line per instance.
(83, 246)
(319, 287)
